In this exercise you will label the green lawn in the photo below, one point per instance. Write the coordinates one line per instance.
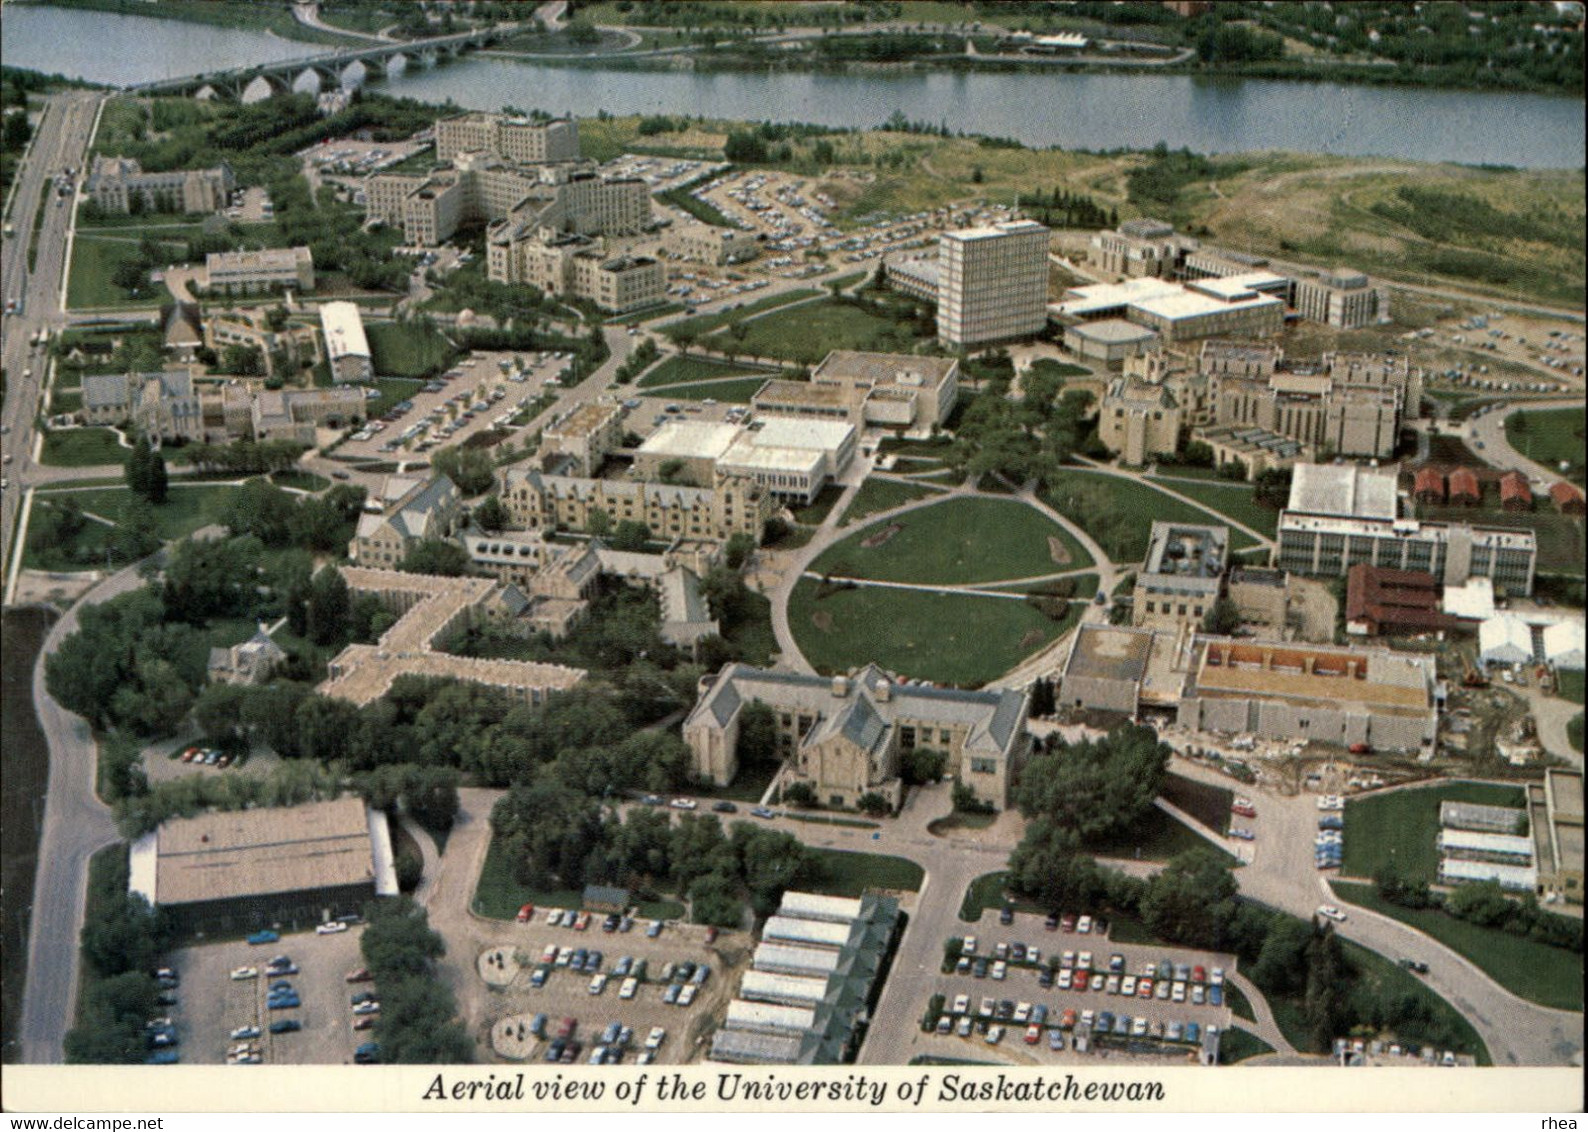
(1400, 827)
(677, 370)
(1233, 500)
(704, 324)
(185, 510)
(1205, 802)
(407, 349)
(881, 495)
(94, 262)
(1560, 537)
(1236, 1045)
(86, 551)
(1548, 436)
(1569, 685)
(851, 874)
(82, 447)
(951, 542)
(806, 333)
(948, 639)
(498, 896)
(1574, 731)
(1391, 980)
(1549, 976)
(304, 481)
(816, 513)
(752, 637)
(1122, 521)
(728, 392)
(1235, 999)
(1155, 837)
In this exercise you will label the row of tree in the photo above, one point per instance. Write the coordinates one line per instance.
(122, 941)
(1486, 904)
(418, 1023)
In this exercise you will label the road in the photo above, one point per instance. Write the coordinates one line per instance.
(76, 824)
(1488, 429)
(60, 142)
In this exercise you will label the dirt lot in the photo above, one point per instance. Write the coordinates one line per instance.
(1312, 610)
(567, 994)
(212, 1004)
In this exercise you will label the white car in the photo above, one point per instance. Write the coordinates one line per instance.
(995, 1035)
(657, 1036)
(968, 945)
(1177, 992)
(1000, 969)
(241, 973)
(630, 985)
(332, 927)
(598, 983)
(961, 1003)
(1330, 912)
(1084, 926)
(684, 804)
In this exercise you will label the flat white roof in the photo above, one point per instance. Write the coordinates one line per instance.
(691, 439)
(1563, 644)
(1343, 489)
(1192, 304)
(1509, 876)
(1475, 600)
(1506, 636)
(344, 330)
(993, 231)
(801, 432)
(1508, 843)
(1079, 301)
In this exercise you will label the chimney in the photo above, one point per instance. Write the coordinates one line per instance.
(883, 690)
(840, 686)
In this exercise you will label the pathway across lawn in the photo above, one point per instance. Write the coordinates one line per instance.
(1118, 511)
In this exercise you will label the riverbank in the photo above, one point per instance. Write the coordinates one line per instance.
(273, 19)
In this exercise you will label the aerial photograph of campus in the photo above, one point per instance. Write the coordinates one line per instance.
(777, 534)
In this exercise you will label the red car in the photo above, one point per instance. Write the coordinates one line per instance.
(1199, 975)
(1068, 922)
(525, 912)
(1246, 810)
(366, 1022)
(711, 935)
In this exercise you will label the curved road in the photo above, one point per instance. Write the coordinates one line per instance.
(1489, 429)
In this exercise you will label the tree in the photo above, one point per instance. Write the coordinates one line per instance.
(873, 803)
(471, 469)
(800, 794)
(436, 556)
(326, 612)
(1095, 788)
(757, 735)
(1042, 701)
(399, 943)
(490, 515)
(431, 795)
(599, 524)
(918, 767)
(1223, 618)
(137, 469)
(1191, 901)
(631, 534)
(158, 483)
(737, 550)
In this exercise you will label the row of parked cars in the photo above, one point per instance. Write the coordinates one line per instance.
(610, 1047)
(205, 756)
(991, 1017)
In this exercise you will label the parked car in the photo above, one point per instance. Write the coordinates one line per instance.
(367, 1008)
(525, 911)
(331, 927)
(241, 973)
(1330, 912)
(684, 804)
(285, 1026)
(265, 936)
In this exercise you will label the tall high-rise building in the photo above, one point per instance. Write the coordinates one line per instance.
(992, 284)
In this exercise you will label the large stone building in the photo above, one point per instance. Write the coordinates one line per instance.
(1341, 516)
(292, 414)
(250, 272)
(731, 505)
(525, 140)
(161, 406)
(566, 264)
(1341, 298)
(992, 284)
(844, 735)
(1141, 248)
(346, 345)
(115, 183)
(429, 608)
(898, 391)
(578, 442)
(705, 243)
(1182, 576)
(1555, 820)
(1138, 420)
(294, 344)
(231, 871)
(791, 458)
(418, 511)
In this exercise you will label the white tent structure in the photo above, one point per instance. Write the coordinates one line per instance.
(1505, 640)
(1563, 645)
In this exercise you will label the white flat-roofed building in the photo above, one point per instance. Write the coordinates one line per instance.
(814, 906)
(1112, 341)
(684, 452)
(768, 1017)
(262, 270)
(1201, 311)
(791, 457)
(346, 345)
(788, 990)
(1343, 489)
(905, 391)
(1505, 640)
(992, 284)
(1095, 301)
(1472, 600)
(815, 933)
(914, 275)
(1454, 870)
(1480, 845)
(744, 1047)
(1140, 248)
(789, 960)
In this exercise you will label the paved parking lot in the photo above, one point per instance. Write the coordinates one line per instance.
(477, 394)
(1021, 986)
(567, 993)
(212, 1004)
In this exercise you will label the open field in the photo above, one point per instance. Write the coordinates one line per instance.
(1549, 976)
(945, 638)
(1122, 527)
(1233, 500)
(1156, 837)
(850, 874)
(680, 370)
(82, 447)
(185, 510)
(807, 332)
(881, 495)
(704, 324)
(1399, 828)
(728, 392)
(410, 349)
(94, 263)
(1551, 437)
(1569, 685)
(947, 542)
(498, 896)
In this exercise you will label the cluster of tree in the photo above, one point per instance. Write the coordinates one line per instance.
(122, 941)
(1223, 618)
(1155, 185)
(1463, 218)
(1026, 439)
(588, 352)
(468, 289)
(428, 794)
(244, 457)
(290, 784)
(1095, 789)
(133, 273)
(145, 472)
(556, 837)
(1091, 503)
(437, 556)
(418, 1022)
(1485, 904)
(471, 469)
(1065, 209)
(887, 47)
(278, 518)
(1271, 488)
(644, 354)
(1227, 43)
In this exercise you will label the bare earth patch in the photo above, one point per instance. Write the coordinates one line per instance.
(1031, 640)
(822, 620)
(871, 542)
(1058, 551)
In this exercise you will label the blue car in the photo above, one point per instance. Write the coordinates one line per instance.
(266, 936)
(285, 1026)
(283, 1002)
(1216, 996)
(1193, 1032)
(367, 1054)
(163, 1057)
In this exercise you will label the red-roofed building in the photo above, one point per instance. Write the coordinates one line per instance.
(1515, 495)
(1381, 600)
(1464, 487)
(1567, 497)
(1430, 486)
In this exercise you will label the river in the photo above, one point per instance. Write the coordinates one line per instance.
(1073, 110)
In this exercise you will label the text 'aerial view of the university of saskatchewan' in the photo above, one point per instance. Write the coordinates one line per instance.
(737, 536)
